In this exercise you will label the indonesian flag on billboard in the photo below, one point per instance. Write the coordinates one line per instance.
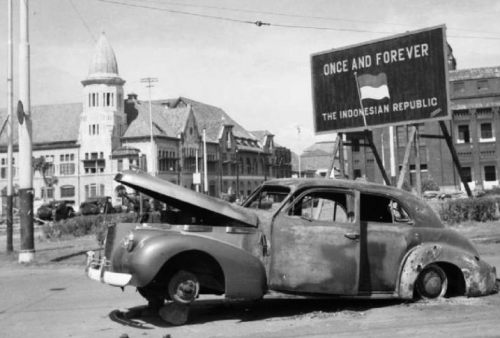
(373, 86)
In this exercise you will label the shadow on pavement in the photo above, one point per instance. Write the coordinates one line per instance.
(203, 311)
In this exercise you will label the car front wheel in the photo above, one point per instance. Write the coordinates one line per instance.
(183, 287)
(432, 283)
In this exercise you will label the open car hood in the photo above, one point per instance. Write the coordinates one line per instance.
(197, 204)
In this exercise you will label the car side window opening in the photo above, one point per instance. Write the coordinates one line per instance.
(325, 206)
(269, 198)
(382, 209)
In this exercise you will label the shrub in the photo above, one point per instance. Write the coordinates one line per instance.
(406, 186)
(467, 209)
(101, 224)
(84, 225)
(429, 185)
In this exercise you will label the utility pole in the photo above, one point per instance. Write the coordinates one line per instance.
(205, 169)
(10, 109)
(149, 81)
(27, 252)
(298, 131)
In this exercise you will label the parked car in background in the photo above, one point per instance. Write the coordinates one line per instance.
(97, 205)
(62, 209)
(304, 237)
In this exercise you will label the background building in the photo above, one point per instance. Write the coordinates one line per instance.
(474, 127)
(85, 144)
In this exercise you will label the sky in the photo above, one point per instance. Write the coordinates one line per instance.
(211, 51)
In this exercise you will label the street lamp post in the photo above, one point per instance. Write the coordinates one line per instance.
(150, 80)
(298, 131)
(237, 174)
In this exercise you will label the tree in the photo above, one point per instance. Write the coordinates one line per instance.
(42, 166)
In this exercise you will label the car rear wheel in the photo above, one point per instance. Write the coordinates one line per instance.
(432, 283)
(183, 287)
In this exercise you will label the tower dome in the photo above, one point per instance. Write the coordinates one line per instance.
(103, 65)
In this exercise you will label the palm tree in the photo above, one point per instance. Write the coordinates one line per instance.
(42, 166)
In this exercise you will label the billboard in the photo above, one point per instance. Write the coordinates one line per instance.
(396, 80)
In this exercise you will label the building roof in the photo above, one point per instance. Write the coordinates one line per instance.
(51, 124)
(125, 151)
(324, 148)
(140, 122)
(474, 73)
(261, 134)
(212, 119)
(103, 61)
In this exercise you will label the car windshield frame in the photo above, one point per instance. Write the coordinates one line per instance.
(268, 198)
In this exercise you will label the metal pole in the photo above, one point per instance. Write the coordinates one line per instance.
(150, 80)
(300, 167)
(27, 252)
(392, 157)
(418, 173)
(237, 174)
(205, 170)
(10, 112)
(197, 185)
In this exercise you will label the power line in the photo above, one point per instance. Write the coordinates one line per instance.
(83, 21)
(261, 23)
(299, 15)
(257, 23)
(178, 12)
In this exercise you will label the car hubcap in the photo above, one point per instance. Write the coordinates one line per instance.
(187, 290)
(432, 284)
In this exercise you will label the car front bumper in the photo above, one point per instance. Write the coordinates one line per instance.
(97, 269)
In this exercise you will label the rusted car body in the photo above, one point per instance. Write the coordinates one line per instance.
(314, 237)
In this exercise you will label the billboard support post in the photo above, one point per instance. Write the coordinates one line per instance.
(417, 162)
(406, 159)
(341, 156)
(369, 137)
(454, 155)
(336, 146)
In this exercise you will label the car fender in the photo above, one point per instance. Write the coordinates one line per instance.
(245, 276)
(479, 277)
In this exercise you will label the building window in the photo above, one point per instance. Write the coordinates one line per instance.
(248, 170)
(467, 172)
(459, 87)
(463, 134)
(357, 173)
(120, 165)
(482, 85)
(486, 132)
(49, 194)
(228, 141)
(67, 168)
(490, 173)
(91, 190)
(355, 145)
(67, 191)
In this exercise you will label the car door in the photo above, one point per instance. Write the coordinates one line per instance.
(386, 237)
(315, 243)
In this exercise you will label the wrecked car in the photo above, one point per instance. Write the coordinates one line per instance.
(307, 237)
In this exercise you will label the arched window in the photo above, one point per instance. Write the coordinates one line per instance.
(67, 191)
(249, 167)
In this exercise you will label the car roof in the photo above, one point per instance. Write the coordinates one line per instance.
(419, 208)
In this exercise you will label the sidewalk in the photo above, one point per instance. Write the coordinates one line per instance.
(66, 251)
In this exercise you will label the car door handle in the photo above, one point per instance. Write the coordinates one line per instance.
(352, 235)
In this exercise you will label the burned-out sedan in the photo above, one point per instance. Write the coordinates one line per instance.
(308, 237)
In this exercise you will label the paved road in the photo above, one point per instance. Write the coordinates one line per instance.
(56, 302)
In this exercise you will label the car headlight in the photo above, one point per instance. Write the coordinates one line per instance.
(129, 242)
